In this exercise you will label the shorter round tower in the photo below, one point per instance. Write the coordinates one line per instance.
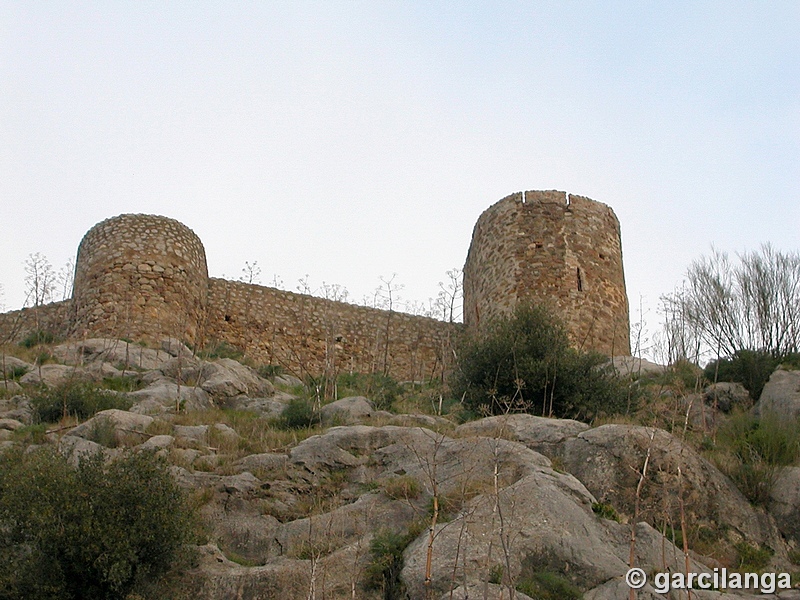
(555, 249)
(141, 277)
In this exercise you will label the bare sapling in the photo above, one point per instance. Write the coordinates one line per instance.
(636, 504)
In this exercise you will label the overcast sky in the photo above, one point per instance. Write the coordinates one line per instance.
(354, 140)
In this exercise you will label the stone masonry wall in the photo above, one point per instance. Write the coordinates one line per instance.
(144, 277)
(490, 273)
(55, 318)
(552, 248)
(306, 334)
(140, 277)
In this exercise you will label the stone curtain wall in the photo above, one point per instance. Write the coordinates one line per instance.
(559, 250)
(140, 277)
(55, 318)
(144, 277)
(310, 335)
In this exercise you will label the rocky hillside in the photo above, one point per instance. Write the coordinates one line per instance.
(367, 503)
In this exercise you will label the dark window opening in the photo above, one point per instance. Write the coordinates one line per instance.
(580, 280)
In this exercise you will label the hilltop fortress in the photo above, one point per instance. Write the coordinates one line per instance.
(144, 277)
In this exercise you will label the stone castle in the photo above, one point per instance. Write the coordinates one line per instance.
(144, 277)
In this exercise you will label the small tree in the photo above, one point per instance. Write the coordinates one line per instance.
(450, 297)
(251, 273)
(725, 307)
(524, 363)
(97, 531)
(40, 280)
(65, 280)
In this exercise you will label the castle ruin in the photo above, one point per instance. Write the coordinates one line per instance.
(555, 249)
(144, 277)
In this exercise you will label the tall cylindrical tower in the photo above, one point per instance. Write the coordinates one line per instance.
(552, 248)
(140, 276)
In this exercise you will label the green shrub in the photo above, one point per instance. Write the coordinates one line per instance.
(403, 487)
(221, 350)
(496, 574)
(38, 337)
(386, 561)
(78, 399)
(750, 368)
(524, 363)
(104, 433)
(768, 439)
(98, 531)
(14, 373)
(753, 558)
(687, 374)
(753, 449)
(299, 413)
(549, 586)
(123, 384)
(605, 511)
(31, 434)
(267, 371)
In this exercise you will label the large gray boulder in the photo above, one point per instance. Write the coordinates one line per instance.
(617, 589)
(316, 574)
(164, 395)
(266, 407)
(609, 458)
(781, 395)
(784, 502)
(10, 424)
(76, 448)
(55, 375)
(538, 433)
(176, 348)
(157, 442)
(11, 365)
(726, 396)
(18, 408)
(432, 422)
(183, 368)
(346, 411)
(474, 591)
(543, 522)
(633, 366)
(227, 378)
(426, 456)
(265, 462)
(116, 352)
(114, 428)
(342, 526)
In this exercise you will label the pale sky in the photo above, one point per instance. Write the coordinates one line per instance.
(353, 140)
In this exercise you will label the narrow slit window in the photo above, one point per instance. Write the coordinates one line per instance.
(580, 280)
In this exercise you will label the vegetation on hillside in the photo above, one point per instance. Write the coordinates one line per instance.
(525, 363)
(115, 529)
(98, 531)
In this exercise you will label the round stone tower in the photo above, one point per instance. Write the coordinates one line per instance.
(142, 277)
(552, 248)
